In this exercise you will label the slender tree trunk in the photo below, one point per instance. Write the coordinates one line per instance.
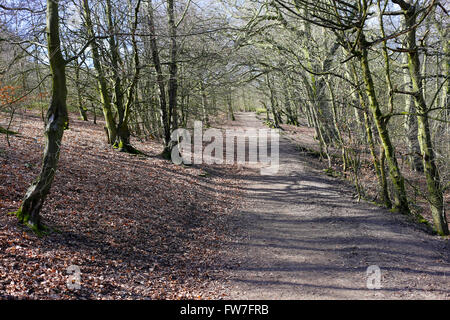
(230, 105)
(367, 125)
(115, 62)
(336, 126)
(443, 67)
(323, 108)
(318, 86)
(165, 114)
(411, 125)
(56, 121)
(123, 132)
(291, 117)
(445, 99)
(173, 68)
(81, 108)
(102, 83)
(435, 194)
(276, 118)
(122, 139)
(205, 106)
(400, 199)
(94, 109)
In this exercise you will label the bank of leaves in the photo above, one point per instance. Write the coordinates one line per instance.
(137, 227)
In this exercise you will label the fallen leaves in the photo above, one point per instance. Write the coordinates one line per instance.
(137, 228)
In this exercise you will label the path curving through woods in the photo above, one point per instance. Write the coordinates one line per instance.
(303, 236)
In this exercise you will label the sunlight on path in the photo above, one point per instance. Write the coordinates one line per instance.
(304, 237)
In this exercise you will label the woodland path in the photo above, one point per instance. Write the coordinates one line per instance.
(303, 236)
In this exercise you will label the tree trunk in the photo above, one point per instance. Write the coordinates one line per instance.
(173, 68)
(102, 84)
(340, 139)
(411, 125)
(122, 137)
(205, 106)
(165, 115)
(56, 121)
(230, 105)
(378, 163)
(123, 132)
(291, 117)
(81, 108)
(435, 194)
(400, 199)
(273, 103)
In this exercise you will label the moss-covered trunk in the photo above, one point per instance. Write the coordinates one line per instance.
(102, 84)
(205, 107)
(230, 106)
(123, 132)
(367, 126)
(81, 108)
(411, 125)
(340, 139)
(435, 194)
(56, 121)
(400, 199)
(165, 114)
(273, 103)
(173, 65)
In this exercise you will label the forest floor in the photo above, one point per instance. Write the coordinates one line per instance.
(137, 228)
(143, 228)
(303, 235)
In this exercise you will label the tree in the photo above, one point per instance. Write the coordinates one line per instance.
(435, 195)
(56, 122)
(110, 128)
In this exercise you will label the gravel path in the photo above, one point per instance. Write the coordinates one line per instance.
(303, 236)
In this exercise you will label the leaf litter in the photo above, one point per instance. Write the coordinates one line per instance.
(138, 228)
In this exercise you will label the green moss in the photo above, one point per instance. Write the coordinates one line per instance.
(14, 213)
(38, 229)
(260, 111)
(122, 147)
(422, 220)
(118, 145)
(20, 216)
(394, 210)
(329, 172)
(378, 204)
(270, 124)
(5, 131)
(204, 174)
(166, 154)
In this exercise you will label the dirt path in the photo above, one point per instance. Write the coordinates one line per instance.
(303, 236)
